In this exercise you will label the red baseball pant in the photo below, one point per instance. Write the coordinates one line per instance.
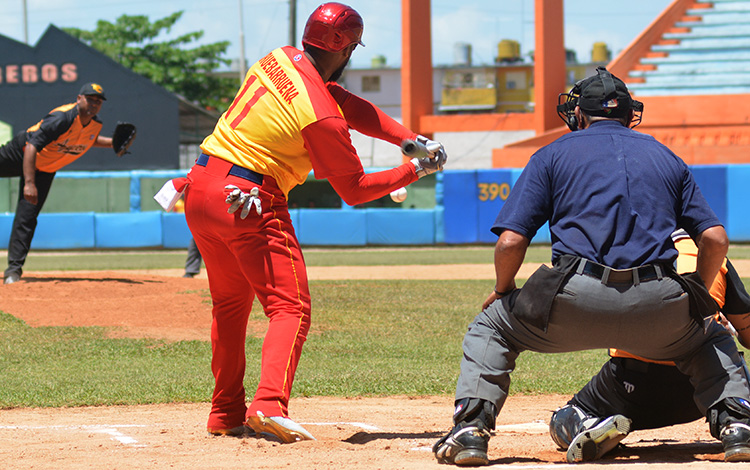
(258, 256)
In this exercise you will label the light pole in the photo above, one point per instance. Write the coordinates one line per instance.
(25, 24)
(292, 22)
(243, 65)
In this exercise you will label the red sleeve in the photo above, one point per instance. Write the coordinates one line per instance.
(330, 148)
(367, 118)
(332, 156)
(361, 188)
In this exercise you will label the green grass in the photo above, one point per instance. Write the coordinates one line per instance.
(65, 366)
(174, 259)
(386, 256)
(739, 252)
(367, 338)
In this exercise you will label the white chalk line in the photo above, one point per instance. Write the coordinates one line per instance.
(113, 430)
(365, 426)
(535, 427)
(110, 429)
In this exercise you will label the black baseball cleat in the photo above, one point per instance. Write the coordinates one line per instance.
(592, 443)
(11, 278)
(465, 445)
(735, 438)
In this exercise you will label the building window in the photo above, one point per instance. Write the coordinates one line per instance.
(515, 81)
(371, 83)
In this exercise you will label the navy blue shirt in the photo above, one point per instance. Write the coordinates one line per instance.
(610, 194)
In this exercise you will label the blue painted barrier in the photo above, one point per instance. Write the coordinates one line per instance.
(332, 227)
(174, 230)
(737, 196)
(400, 227)
(467, 203)
(73, 230)
(131, 230)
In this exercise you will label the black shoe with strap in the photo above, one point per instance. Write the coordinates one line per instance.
(465, 445)
(735, 438)
(598, 438)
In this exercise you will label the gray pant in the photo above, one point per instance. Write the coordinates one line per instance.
(650, 319)
(194, 259)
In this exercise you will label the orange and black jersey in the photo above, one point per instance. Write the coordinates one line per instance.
(59, 138)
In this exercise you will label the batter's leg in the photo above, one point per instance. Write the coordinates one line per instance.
(285, 296)
(232, 298)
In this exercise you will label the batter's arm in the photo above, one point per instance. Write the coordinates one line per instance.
(713, 245)
(333, 157)
(361, 187)
(365, 117)
(510, 251)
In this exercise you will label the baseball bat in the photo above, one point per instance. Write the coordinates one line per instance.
(413, 148)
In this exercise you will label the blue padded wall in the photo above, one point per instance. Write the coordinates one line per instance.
(332, 227)
(712, 181)
(492, 189)
(128, 230)
(738, 199)
(471, 201)
(174, 230)
(63, 230)
(461, 211)
(400, 226)
(6, 223)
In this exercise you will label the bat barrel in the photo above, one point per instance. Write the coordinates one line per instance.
(412, 148)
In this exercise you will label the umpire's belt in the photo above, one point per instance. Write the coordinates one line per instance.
(235, 170)
(607, 275)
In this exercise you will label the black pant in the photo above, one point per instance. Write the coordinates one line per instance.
(24, 222)
(652, 395)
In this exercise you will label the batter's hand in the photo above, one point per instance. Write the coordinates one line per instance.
(429, 158)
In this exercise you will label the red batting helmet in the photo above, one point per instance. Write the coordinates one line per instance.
(332, 27)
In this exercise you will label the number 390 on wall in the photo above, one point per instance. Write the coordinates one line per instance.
(492, 191)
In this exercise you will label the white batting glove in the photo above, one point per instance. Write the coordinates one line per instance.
(434, 161)
(237, 198)
(432, 146)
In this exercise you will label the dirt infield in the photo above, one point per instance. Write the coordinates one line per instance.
(360, 433)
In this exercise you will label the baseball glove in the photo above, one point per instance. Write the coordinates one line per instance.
(123, 138)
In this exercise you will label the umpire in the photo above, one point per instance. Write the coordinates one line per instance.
(60, 138)
(612, 197)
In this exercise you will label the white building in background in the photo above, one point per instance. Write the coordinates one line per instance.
(382, 86)
(506, 86)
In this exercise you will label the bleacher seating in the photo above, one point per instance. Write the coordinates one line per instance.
(707, 53)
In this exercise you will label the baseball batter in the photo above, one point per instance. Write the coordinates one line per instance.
(631, 393)
(612, 197)
(37, 153)
(289, 117)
